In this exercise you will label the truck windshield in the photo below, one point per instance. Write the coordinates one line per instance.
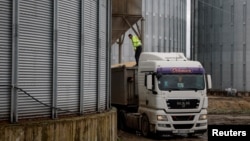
(181, 82)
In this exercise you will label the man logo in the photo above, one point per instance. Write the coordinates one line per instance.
(183, 103)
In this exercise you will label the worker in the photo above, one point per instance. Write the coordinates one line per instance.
(137, 47)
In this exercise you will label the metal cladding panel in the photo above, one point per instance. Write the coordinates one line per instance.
(148, 29)
(102, 55)
(68, 61)
(246, 48)
(155, 25)
(228, 38)
(5, 57)
(90, 55)
(161, 25)
(166, 24)
(206, 43)
(227, 42)
(237, 50)
(35, 57)
(216, 47)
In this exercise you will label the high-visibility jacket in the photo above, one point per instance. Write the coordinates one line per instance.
(136, 42)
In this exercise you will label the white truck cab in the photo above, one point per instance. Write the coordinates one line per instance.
(172, 94)
(165, 94)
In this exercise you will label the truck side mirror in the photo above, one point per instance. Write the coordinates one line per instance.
(209, 81)
(149, 84)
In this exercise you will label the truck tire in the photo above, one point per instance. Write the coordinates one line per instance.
(145, 126)
(122, 120)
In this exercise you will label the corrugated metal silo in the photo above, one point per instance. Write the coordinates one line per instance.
(221, 41)
(5, 57)
(164, 26)
(54, 58)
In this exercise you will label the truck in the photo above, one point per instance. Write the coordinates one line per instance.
(165, 95)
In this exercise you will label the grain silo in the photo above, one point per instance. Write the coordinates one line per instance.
(54, 63)
(219, 41)
(162, 28)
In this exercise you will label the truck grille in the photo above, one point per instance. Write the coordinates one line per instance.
(182, 118)
(183, 103)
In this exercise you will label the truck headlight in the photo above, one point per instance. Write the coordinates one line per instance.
(203, 117)
(162, 118)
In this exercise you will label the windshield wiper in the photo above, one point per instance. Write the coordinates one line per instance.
(196, 89)
(173, 89)
(177, 89)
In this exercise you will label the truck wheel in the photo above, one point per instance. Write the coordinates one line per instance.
(145, 126)
(122, 120)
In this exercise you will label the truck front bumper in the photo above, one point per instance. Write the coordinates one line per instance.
(183, 123)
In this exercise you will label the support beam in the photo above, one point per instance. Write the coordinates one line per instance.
(131, 26)
(120, 42)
